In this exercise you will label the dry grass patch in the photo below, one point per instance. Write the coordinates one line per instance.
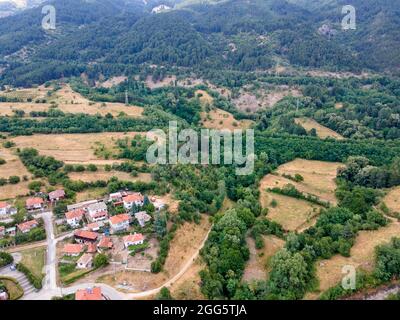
(392, 200)
(204, 97)
(322, 131)
(13, 165)
(88, 176)
(75, 148)
(91, 194)
(34, 260)
(329, 272)
(220, 119)
(257, 268)
(166, 82)
(11, 191)
(14, 289)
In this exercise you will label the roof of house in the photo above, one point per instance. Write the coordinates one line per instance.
(77, 213)
(83, 204)
(57, 194)
(85, 259)
(89, 294)
(133, 197)
(119, 218)
(133, 237)
(86, 234)
(105, 242)
(33, 201)
(94, 225)
(3, 204)
(73, 248)
(91, 248)
(98, 206)
(27, 225)
(99, 214)
(142, 215)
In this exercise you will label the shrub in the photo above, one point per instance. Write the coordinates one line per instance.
(36, 282)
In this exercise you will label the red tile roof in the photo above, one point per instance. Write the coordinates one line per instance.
(105, 242)
(57, 194)
(77, 213)
(73, 248)
(99, 214)
(26, 226)
(119, 218)
(92, 226)
(3, 205)
(91, 248)
(133, 197)
(86, 234)
(134, 237)
(89, 294)
(33, 201)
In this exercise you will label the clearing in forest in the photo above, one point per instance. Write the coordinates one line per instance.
(220, 119)
(322, 131)
(101, 174)
(392, 200)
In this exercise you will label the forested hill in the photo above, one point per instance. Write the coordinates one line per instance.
(117, 36)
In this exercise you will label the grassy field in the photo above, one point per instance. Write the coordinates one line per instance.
(220, 119)
(392, 199)
(87, 176)
(67, 101)
(14, 289)
(90, 194)
(322, 132)
(204, 97)
(295, 214)
(34, 260)
(329, 272)
(75, 148)
(257, 266)
(13, 165)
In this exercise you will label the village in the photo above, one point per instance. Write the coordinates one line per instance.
(115, 229)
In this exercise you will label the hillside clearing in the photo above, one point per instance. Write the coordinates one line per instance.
(322, 131)
(220, 119)
(88, 176)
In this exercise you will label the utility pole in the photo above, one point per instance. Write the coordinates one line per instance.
(126, 98)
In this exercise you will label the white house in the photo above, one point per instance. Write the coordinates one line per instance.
(85, 262)
(4, 207)
(133, 239)
(97, 212)
(73, 249)
(34, 203)
(119, 222)
(142, 217)
(133, 199)
(74, 217)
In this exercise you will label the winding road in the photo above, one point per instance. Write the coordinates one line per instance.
(51, 289)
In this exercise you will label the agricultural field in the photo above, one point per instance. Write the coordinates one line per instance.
(67, 101)
(220, 119)
(101, 174)
(322, 131)
(13, 165)
(76, 148)
(257, 266)
(296, 214)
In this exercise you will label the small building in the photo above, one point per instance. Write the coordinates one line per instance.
(91, 247)
(116, 196)
(157, 203)
(73, 249)
(94, 227)
(81, 205)
(34, 203)
(11, 231)
(89, 294)
(133, 239)
(85, 262)
(142, 217)
(97, 212)
(119, 222)
(105, 243)
(57, 195)
(2, 232)
(6, 209)
(74, 217)
(27, 226)
(133, 199)
(83, 236)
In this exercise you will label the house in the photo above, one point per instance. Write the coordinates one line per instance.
(142, 217)
(105, 243)
(119, 222)
(133, 239)
(27, 226)
(91, 247)
(57, 195)
(73, 249)
(97, 212)
(85, 262)
(81, 205)
(4, 208)
(34, 203)
(11, 231)
(83, 236)
(95, 226)
(157, 203)
(133, 199)
(89, 294)
(2, 232)
(74, 217)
